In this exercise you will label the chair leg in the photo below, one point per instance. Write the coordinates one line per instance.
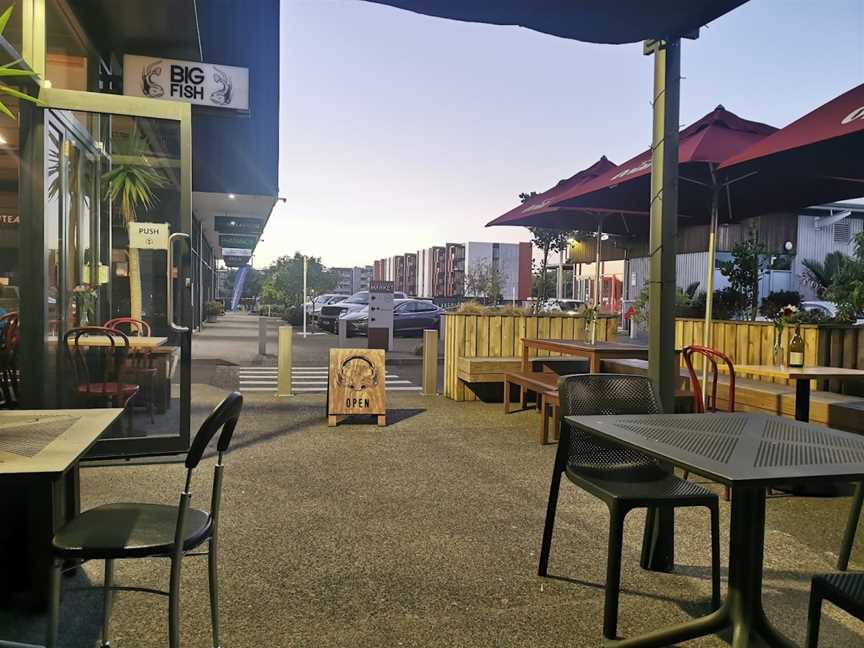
(174, 604)
(544, 423)
(108, 602)
(54, 604)
(814, 617)
(506, 397)
(214, 592)
(549, 525)
(613, 571)
(715, 555)
(851, 528)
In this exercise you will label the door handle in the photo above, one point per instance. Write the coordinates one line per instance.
(170, 282)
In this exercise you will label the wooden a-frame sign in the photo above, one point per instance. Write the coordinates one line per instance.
(356, 384)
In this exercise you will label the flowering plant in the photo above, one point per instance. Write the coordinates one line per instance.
(784, 317)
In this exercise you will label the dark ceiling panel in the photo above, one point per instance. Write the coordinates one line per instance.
(166, 28)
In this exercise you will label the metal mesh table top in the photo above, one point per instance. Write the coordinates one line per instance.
(27, 436)
(737, 448)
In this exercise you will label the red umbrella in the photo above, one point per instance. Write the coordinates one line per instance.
(537, 211)
(814, 160)
(594, 21)
(703, 146)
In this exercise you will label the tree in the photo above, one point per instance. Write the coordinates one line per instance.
(847, 287)
(131, 182)
(283, 285)
(484, 281)
(750, 261)
(820, 276)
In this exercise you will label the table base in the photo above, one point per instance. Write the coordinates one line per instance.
(742, 611)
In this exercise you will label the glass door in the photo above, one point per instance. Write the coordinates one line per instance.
(117, 201)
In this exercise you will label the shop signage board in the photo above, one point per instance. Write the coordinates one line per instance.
(238, 225)
(237, 241)
(236, 252)
(149, 236)
(380, 327)
(355, 384)
(204, 84)
(9, 220)
(235, 262)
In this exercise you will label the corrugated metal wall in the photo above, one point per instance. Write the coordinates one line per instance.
(815, 243)
(689, 268)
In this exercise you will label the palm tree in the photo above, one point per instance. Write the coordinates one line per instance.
(820, 276)
(130, 183)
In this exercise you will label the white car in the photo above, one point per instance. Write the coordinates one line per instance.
(313, 308)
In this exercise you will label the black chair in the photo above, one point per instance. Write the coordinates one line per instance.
(118, 531)
(846, 591)
(851, 527)
(622, 478)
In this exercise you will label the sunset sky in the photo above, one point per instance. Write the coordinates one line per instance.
(401, 131)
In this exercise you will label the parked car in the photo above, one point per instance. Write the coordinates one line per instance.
(829, 309)
(313, 308)
(409, 316)
(330, 313)
(570, 306)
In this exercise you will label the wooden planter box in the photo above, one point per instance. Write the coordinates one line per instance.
(500, 336)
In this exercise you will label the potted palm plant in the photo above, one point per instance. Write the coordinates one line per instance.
(130, 184)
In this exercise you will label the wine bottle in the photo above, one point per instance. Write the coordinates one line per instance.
(796, 349)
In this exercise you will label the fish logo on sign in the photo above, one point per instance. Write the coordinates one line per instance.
(149, 86)
(223, 94)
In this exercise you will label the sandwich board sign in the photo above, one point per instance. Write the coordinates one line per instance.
(356, 384)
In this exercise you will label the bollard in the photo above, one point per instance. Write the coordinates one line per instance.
(342, 330)
(262, 336)
(285, 360)
(430, 362)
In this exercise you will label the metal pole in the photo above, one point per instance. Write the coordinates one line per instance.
(559, 287)
(596, 280)
(709, 278)
(305, 269)
(658, 551)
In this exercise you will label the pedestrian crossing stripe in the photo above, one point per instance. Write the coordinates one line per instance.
(304, 380)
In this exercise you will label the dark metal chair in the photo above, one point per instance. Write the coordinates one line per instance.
(9, 338)
(622, 478)
(97, 369)
(701, 404)
(139, 368)
(846, 591)
(120, 531)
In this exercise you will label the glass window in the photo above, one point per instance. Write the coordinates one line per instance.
(67, 56)
(12, 33)
(10, 219)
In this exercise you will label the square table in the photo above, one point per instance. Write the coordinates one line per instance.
(39, 455)
(584, 349)
(749, 453)
(135, 341)
(802, 377)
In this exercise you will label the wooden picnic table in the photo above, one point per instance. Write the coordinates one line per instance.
(39, 455)
(802, 377)
(595, 352)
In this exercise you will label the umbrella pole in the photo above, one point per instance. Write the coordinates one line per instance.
(596, 280)
(707, 334)
(658, 545)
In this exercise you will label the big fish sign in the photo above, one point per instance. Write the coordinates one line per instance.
(205, 84)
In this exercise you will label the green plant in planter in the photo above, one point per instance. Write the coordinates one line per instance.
(214, 308)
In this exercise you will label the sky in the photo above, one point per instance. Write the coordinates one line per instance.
(400, 131)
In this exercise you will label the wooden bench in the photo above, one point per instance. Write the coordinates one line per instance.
(539, 382)
(551, 401)
(840, 411)
(486, 369)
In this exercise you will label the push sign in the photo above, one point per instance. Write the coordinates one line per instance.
(222, 86)
(149, 236)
